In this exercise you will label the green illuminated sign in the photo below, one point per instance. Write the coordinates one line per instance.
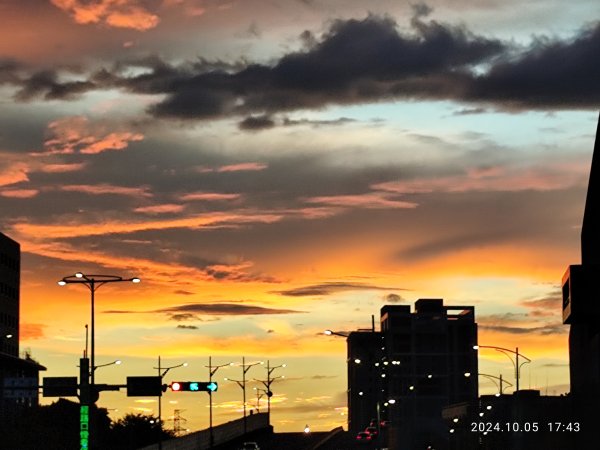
(194, 386)
(84, 427)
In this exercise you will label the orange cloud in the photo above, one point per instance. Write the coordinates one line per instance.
(15, 173)
(101, 189)
(19, 193)
(209, 196)
(61, 168)
(160, 209)
(545, 178)
(153, 271)
(31, 331)
(76, 135)
(115, 13)
(74, 229)
(242, 167)
(369, 200)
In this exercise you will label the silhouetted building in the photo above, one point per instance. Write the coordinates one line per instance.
(18, 376)
(10, 262)
(364, 378)
(524, 420)
(581, 306)
(420, 362)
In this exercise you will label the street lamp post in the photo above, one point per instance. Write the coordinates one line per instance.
(335, 333)
(242, 384)
(161, 374)
(260, 393)
(268, 385)
(93, 282)
(117, 362)
(515, 362)
(5, 337)
(211, 371)
(494, 378)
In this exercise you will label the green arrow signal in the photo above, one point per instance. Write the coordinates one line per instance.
(194, 386)
(212, 386)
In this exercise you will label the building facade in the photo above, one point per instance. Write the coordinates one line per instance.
(18, 376)
(405, 374)
(581, 308)
(523, 420)
(10, 263)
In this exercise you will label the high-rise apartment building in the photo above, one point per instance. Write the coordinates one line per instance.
(405, 374)
(10, 263)
(18, 376)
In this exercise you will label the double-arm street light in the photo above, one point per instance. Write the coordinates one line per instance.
(267, 384)
(211, 371)
(245, 368)
(500, 383)
(508, 353)
(162, 371)
(92, 282)
(260, 393)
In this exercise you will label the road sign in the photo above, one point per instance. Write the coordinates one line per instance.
(20, 387)
(60, 387)
(144, 386)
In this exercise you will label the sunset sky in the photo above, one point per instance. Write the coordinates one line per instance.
(273, 168)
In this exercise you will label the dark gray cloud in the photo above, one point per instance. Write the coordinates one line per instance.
(368, 60)
(183, 292)
(230, 309)
(469, 111)
(550, 74)
(8, 71)
(355, 61)
(187, 327)
(46, 84)
(330, 288)
(256, 123)
(317, 123)
(521, 323)
(358, 61)
(453, 243)
(548, 305)
(394, 298)
(190, 311)
(181, 317)
(544, 330)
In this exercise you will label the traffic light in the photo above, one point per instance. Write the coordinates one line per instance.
(193, 386)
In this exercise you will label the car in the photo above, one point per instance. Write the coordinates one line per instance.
(372, 431)
(364, 437)
(250, 446)
(385, 423)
